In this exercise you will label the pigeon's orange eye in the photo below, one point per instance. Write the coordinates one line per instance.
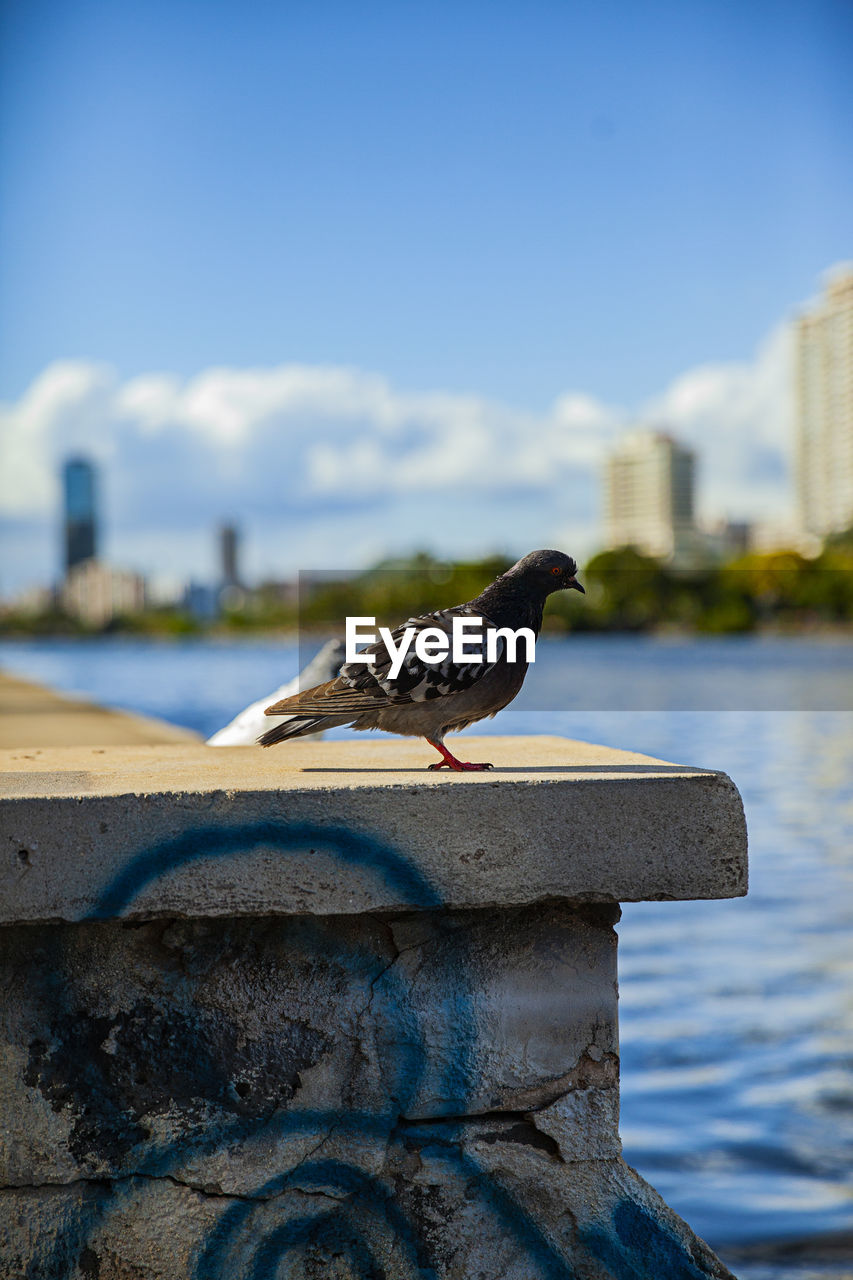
(556, 569)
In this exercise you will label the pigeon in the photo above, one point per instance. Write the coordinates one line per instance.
(244, 728)
(428, 700)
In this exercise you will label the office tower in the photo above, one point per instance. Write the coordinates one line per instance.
(649, 495)
(229, 543)
(823, 407)
(81, 526)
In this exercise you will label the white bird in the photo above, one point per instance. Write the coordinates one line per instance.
(245, 728)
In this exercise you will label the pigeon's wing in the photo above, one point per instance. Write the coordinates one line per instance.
(419, 681)
(364, 686)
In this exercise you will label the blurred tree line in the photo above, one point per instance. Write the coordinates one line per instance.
(625, 591)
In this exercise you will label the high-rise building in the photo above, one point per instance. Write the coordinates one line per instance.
(649, 496)
(229, 544)
(824, 410)
(81, 525)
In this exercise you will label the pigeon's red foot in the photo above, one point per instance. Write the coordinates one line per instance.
(460, 766)
(450, 761)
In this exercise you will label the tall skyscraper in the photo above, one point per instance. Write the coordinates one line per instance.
(824, 410)
(81, 523)
(649, 495)
(229, 544)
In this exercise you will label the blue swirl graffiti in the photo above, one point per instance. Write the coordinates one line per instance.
(372, 1197)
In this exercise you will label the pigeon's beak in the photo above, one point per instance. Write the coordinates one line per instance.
(573, 582)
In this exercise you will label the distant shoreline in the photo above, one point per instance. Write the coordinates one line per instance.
(218, 634)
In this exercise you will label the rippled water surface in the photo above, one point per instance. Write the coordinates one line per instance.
(736, 1017)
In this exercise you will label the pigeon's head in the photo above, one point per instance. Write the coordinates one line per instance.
(546, 571)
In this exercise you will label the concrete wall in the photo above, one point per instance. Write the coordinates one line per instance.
(349, 1020)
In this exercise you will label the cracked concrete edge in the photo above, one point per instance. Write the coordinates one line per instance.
(533, 1127)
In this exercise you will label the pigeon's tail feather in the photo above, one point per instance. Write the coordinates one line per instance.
(300, 727)
(293, 728)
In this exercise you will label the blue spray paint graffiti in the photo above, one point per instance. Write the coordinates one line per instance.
(634, 1246)
(199, 843)
(372, 1199)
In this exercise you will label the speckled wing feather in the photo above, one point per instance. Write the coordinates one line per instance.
(369, 686)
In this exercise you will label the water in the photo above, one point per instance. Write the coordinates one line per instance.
(736, 1017)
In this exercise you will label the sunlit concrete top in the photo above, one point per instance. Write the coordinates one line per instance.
(341, 827)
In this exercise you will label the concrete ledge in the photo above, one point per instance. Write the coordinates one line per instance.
(330, 828)
(33, 716)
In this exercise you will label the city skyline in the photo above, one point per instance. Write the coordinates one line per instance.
(365, 281)
(178, 459)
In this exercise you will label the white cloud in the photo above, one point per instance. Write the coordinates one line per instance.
(149, 401)
(66, 402)
(297, 452)
(738, 416)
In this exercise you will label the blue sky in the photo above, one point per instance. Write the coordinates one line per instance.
(517, 202)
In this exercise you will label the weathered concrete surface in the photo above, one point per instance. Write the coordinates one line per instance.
(430, 1095)
(353, 827)
(219, 1042)
(33, 716)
